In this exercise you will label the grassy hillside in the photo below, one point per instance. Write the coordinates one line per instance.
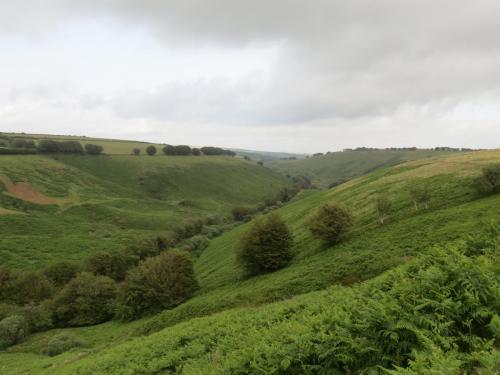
(106, 202)
(249, 340)
(338, 167)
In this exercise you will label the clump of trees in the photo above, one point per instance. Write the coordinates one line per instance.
(330, 223)
(489, 180)
(87, 299)
(61, 273)
(217, 151)
(49, 146)
(266, 246)
(136, 151)
(113, 264)
(151, 150)
(241, 213)
(177, 150)
(158, 283)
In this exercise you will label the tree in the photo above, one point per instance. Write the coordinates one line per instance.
(196, 151)
(489, 181)
(330, 223)
(182, 150)
(384, 208)
(158, 283)
(241, 213)
(93, 149)
(13, 330)
(151, 150)
(261, 163)
(136, 151)
(420, 194)
(70, 147)
(61, 273)
(23, 287)
(266, 246)
(113, 264)
(168, 150)
(85, 300)
(47, 146)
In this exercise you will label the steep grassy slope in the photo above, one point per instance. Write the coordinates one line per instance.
(105, 202)
(338, 167)
(453, 214)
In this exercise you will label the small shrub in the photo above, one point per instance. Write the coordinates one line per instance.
(330, 223)
(489, 181)
(266, 246)
(161, 282)
(85, 300)
(136, 151)
(151, 150)
(38, 317)
(195, 245)
(61, 343)
(188, 229)
(13, 330)
(384, 208)
(241, 213)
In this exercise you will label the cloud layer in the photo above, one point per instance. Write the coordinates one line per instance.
(282, 75)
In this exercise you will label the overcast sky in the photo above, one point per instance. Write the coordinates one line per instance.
(280, 75)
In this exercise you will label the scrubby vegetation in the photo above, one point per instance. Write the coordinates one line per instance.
(331, 223)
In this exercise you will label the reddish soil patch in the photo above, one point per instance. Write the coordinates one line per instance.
(26, 192)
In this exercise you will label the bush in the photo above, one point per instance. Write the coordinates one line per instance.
(266, 246)
(330, 223)
(168, 150)
(85, 300)
(489, 181)
(70, 147)
(136, 151)
(61, 273)
(384, 208)
(158, 283)
(151, 150)
(241, 213)
(196, 151)
(23, 287)
(13, 330)
(93, 149)
(60, 343)
(151, 247)
(182, 150)
(195, 245)
(17, 151)
(216, 151)
(48, 146)
(189, 229)
(112, 264)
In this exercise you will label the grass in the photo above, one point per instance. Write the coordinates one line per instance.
(108, 202)
(230, 316)
(338, 167)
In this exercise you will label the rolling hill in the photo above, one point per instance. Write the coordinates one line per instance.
(106, 202)
(337, 167)
(348, 306)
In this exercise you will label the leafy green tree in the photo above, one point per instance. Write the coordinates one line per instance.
(158, 283)
(93, 149)
(384, 208)
(168, 150)
(330, 223)
(113, 264)
(151, 150)
(196, 151)
(23, 287)
(241, 213)
(182, 150)
(420, 194)
(70, 147)
(85, 300)
(136, 151)
(47, 146)
(61, 273)
(266, 246)
(13, 330)
(489, 181)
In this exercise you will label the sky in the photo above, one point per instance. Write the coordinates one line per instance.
(282, 75)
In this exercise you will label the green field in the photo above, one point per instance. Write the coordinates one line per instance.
(337, 167)
(107, 202)
(330, 318)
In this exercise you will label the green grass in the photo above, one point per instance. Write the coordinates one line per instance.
(108, 202)
(454, 213)
(339, 167)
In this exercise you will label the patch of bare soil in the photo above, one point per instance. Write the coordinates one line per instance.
(26, 192)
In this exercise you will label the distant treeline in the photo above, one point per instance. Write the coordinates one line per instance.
(21, 146)
(183, 150)
(449, 149)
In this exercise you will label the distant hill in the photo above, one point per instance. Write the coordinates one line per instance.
(337, 167)
(109, 201)
(267, 155)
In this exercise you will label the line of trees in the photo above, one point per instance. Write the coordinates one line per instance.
(14, 146)
(184, 150)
